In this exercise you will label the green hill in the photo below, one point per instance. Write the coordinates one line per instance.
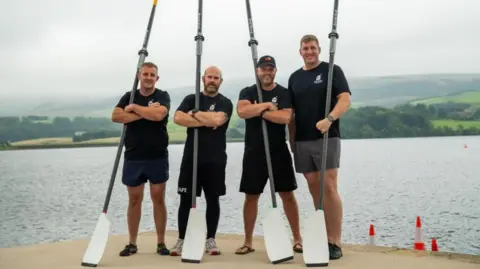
(472, 98)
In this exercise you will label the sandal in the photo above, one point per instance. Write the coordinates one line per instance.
(244, 250)
(298, 248)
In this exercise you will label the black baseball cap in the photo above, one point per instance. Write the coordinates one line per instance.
(266, 60)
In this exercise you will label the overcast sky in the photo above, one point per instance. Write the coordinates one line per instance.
(89, 47)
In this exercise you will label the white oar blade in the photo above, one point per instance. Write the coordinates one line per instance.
(277, 241)
(97, 244)
(195, 237)
(315, 241)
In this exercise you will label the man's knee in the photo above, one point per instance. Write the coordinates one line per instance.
(251, 199)
(135, 195)
(157, 193)
(287, 197)
(331, 181)
(312, 178)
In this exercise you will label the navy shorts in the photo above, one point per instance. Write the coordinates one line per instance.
(137, 172)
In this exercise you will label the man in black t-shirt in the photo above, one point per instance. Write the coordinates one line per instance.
(146, 153)
(308, 90)
(276, 109)
(212, 121)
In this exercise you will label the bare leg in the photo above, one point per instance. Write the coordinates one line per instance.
(250, 211)
(157, 193)
(332, 203)
(134, 211)
(291, 211)
(333, 207)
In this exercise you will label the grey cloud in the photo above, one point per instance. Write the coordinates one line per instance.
(90, 47)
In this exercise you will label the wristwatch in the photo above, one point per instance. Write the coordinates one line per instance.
(330, 118)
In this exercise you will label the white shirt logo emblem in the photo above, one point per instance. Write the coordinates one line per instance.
(274, 100)
(318, 79)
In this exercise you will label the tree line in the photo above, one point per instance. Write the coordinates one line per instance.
(362, 122)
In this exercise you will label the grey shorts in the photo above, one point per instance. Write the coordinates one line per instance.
(307, 155)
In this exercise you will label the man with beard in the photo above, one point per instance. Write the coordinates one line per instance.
(146, 153)
(211, 120)
(308, 88)
(277, 112)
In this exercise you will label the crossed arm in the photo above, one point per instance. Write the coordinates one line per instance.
(212, 119)
(246, 110)
(135, 112)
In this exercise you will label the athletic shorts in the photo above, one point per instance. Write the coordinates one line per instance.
(308, 155)
(255, 171)
(137, 172)
(210, 179)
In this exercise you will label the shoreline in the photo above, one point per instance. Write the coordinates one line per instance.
(87, 144)
(68, 254)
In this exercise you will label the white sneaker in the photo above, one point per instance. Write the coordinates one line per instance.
(211, 247)
(177, 249)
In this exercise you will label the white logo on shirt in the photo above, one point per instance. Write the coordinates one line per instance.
(274, 100)
(318, 79)
(212, 107)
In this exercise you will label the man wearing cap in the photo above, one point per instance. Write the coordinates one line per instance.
(276, 110)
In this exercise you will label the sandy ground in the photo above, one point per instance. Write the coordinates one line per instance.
(68, 254)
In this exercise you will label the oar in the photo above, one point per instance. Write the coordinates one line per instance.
(99, 239)
(315, 244)
(277, 242)
(196, 233)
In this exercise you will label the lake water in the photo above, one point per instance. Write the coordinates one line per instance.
(57, 194)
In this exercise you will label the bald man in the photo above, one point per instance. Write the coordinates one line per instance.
(212, 121)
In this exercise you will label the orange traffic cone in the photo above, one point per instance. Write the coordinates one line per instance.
(371, 235)
(419, 244)
(434, 245)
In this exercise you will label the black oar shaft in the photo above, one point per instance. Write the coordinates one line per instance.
(143, 53)
(199, 38)
(333, 36)
(253, 43)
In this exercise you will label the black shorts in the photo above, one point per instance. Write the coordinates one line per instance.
(255, 171)
(137, 172)
(210, 178)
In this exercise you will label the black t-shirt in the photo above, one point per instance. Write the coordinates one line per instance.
(146, 139)
(212, 144)
(308, 91)
(253, 126)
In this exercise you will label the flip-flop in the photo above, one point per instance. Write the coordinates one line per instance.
(244, 250)
(298, 248)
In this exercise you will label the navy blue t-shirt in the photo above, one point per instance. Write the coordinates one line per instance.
(212, 143)
(146, 139)
(308, 91)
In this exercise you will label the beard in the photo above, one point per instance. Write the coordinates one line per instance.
(211, 88)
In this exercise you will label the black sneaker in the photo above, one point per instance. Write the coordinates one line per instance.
(162, 249)
(335, 251)
(128, 250)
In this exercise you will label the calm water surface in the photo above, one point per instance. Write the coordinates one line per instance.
(57, 194)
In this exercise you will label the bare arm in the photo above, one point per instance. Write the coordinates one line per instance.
(211, 119)
(153, 113)
(246, 110)
(119, 115)
(342, 106)
(282, 116)
(183, 119)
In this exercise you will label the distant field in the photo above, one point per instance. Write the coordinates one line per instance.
(472, 98)
(455, 123)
